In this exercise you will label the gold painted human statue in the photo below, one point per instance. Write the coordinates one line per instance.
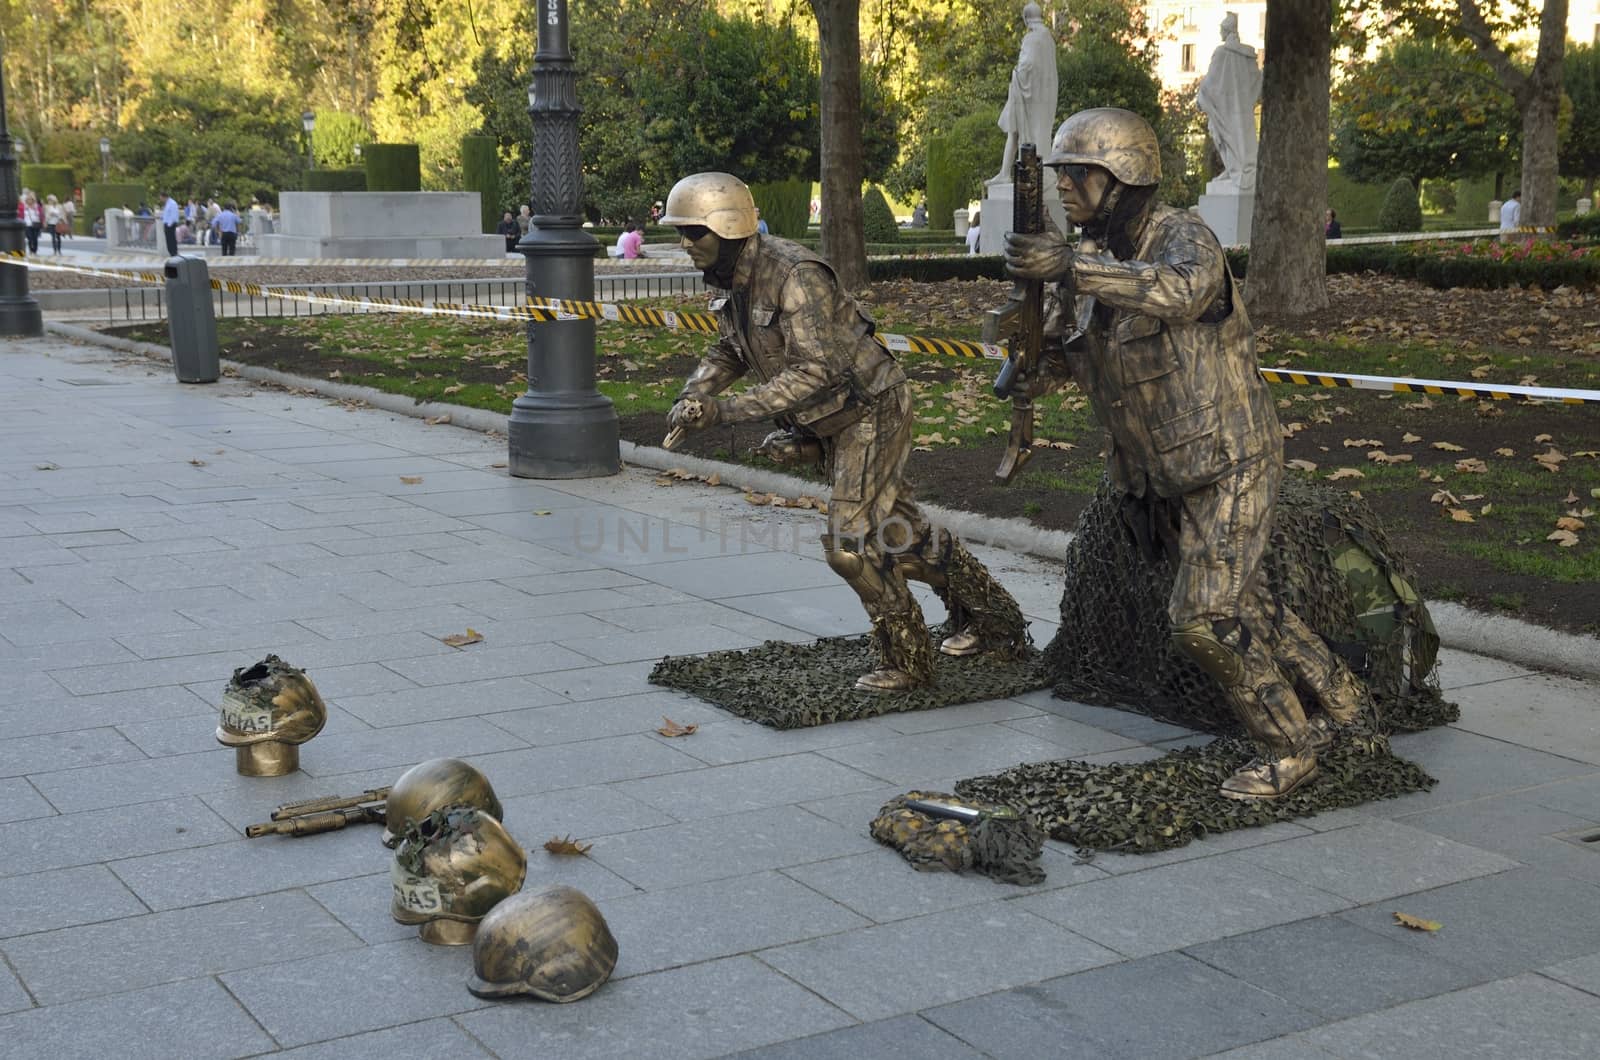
(840, 399)
(1150, 323)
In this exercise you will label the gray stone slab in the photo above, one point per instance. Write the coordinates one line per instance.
(1288, 1047)
(669, 1015)
(13, 996)
(248, 867)
(402, 746)
(243, 801)
(1518, 827)
(1138, 727)
(147, 780)
(157, 703)
(63, 898)
(480, 662)
(1371, 862)
(720, 847)
(1118, 864)
(555, 584)
(585, 762)
(65, 751)
(412, 704)
(1498, 925)
(600, 682)
(428, 1040)
(437, 620)
(246, 639)
(339, 994)
(883, 887)
(1183, 1009)
(1532, 1017)
(655, 643)
(580, 812)
(722, 918)
(105, 835)
(139, 1025)
(20, 800)
(543, 628)
(733, 739)
(507, 498)
(1583, 973)
(1469, 766)
(1461, 669)
(361, 903)
(1579, 796)
(947, 753)
(868, 973)
(722, 790)
(720, 577)
(35, 658)
(1180, 905)
(97, 959)
(1310, 963)
(1553, 714)
(901, 1038)
(564, 722)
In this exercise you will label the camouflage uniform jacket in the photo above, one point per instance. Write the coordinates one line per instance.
(1169, 361)
(807, 342)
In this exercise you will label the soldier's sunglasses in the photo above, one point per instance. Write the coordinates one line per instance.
(1078, 173)
(693, 233)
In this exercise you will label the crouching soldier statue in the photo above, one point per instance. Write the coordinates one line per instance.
(1151, 325)
(842, 400)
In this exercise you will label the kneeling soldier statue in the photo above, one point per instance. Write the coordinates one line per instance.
(839, 398)
(1152, 327)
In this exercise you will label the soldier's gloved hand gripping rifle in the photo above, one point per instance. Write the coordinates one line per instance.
(1021, 319)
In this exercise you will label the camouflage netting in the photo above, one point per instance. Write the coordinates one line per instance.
(1138, 807)
(1330, 561)
(1000, 844)
(791, 686)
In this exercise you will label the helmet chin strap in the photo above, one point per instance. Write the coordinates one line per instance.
(1096, 226)
(720, 273)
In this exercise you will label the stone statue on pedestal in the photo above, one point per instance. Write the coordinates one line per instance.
(1029, 116)
(1228, 95)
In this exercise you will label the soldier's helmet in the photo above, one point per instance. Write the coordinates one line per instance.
(433, 785)
(1115, 139)
(719, 201)
(552, 944)
(270, 701)
(455, 864)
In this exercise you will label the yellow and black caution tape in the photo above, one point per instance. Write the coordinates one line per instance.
(553, 309)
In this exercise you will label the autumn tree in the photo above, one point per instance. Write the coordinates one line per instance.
(843, 164)
(1580, 154)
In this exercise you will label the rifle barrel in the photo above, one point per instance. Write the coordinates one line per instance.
(329, 802)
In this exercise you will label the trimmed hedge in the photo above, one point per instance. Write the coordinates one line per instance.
(877, 220)
(785, 205)
(98, 198)
(1401, 211)
(393, 167)
(1446, 271)
(943, 190)
(48, 180)
(1585, 227)
(334, 180)
(932, 270)
(480, 172)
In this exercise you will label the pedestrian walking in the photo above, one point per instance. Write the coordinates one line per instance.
(32, 220)
(170, 216)
(228, 230)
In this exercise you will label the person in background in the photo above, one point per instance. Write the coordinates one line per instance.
(972, 232)
(919, 215)
(1511, 216)
(228, 230)
(56, 221)
(511, 230)
(185, 234)
(622, 238)
(761, 224)
(170, 216)
(632, 242)
(32, 215)
(1331, 228)
(524, 219)
(69, 207)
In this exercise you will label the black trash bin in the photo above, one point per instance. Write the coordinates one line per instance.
(191, 321)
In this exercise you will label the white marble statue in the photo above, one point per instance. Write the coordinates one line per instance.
(1029, 116)
(1228, 95)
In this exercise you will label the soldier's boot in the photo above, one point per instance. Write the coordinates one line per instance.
(898, 630)
(1263, 701)
(1343, 697)
(906, 653)
(983, 615)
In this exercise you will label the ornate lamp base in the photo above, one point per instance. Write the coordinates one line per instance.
(268, 759)
(448, 932)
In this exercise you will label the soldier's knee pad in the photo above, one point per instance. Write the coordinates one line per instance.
(847, 563)
(1199, 641)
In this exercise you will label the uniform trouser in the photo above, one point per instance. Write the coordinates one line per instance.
(1223, 532)
(871, 515)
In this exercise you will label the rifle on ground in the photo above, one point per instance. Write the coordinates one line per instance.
(1021, 320)
(328, 813)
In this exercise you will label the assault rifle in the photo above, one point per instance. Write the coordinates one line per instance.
(1021, 320)
(326, 814)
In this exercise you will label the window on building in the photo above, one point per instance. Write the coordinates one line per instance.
(1188, 58)
(1189, 19)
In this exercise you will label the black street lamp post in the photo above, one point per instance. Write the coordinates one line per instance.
(105, 159)
(562, 427)
(19, 310)
(308, 122)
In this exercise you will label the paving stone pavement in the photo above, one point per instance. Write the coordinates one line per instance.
(154, 536)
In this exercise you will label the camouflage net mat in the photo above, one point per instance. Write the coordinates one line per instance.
(1330, 561)
(1001, 844)
(1138, 807)
(792, 686)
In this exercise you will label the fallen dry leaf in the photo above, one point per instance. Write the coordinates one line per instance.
(1572, 497)
(1361, 443)
(1408, 437)
(567, 846)
(1416, 923)
(758, 498)
(335, 374)
(1564, 538)
(1505, 452)
(436, 421)
(1346, 472)
(713, 479)
(672, 728)
(1378, 456)
(454, 388)
(1472, 466)
(1551, 460)
(1540, 439)
(198, 463)
(1301, 465)
(541, 511)
(500, 463)
(1449, 447)
(411, 480)
(461, 640)
(1480, 372)
(1486, 509)
(1460, 515)
(47, 467)
(1443, 497)
(1567, 522)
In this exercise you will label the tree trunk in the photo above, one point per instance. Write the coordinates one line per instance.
(839, 36)
(1288, 258)
(1540, 172)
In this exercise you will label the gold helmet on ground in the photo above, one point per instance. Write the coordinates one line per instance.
(719, 201)
(552, 944)
(270, 701)
(1114, 139)
(455, 864)
(433, 785)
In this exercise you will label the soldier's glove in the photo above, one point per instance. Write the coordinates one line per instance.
(694, 413)
(1046, 256)
(788, 448)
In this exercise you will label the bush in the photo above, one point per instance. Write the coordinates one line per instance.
(877, 220)
(98, 198)
(1358, 204)
(1585, 227)
(393, 167)
(480, 172)
(48, 180)
(334, 180)
(785, 205)
(931, 270)
(1401, 212)
(943, 199)
(1446, 270)
(1473, 195)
